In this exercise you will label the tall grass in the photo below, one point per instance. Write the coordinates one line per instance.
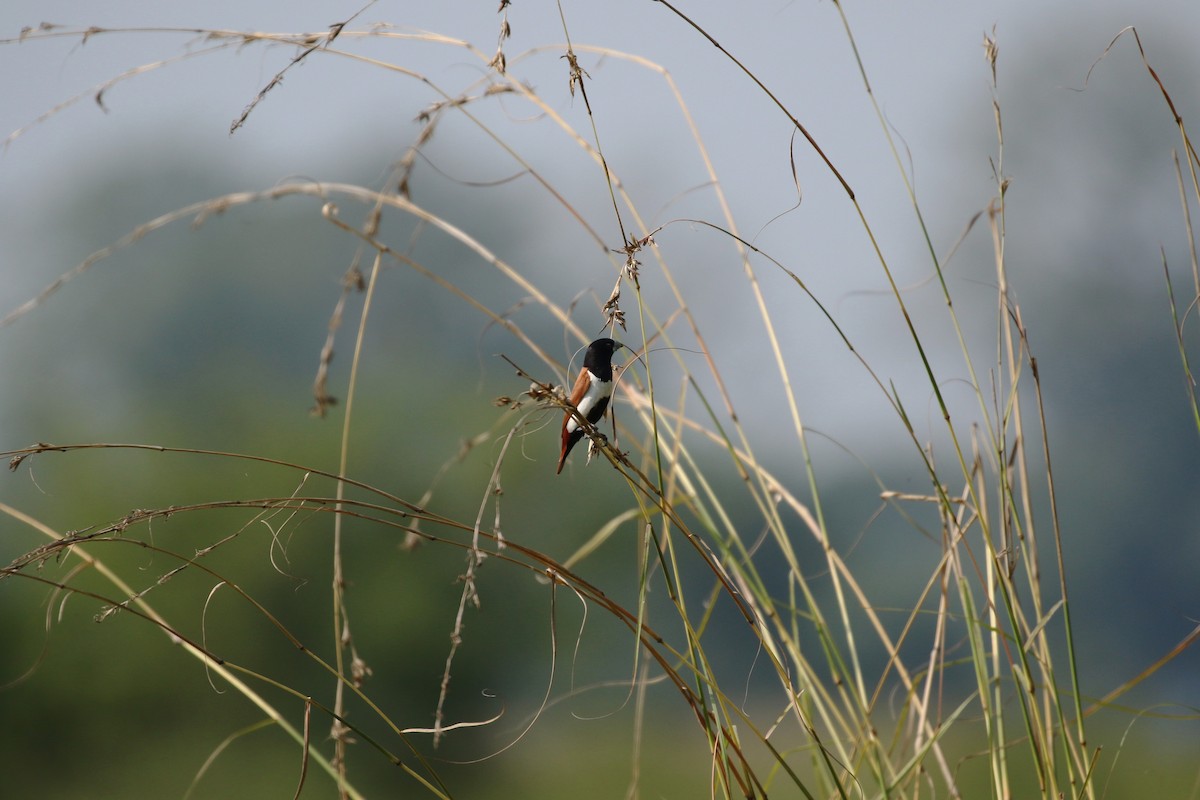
(973, 682)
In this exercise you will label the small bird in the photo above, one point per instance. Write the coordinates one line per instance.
(591, 392)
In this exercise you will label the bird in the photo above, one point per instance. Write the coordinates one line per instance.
(591, 393)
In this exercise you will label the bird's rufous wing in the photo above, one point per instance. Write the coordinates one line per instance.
(569, 438)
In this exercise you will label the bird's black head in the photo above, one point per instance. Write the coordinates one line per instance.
(598, 357)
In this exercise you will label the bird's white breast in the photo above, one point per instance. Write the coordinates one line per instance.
(598, 390)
